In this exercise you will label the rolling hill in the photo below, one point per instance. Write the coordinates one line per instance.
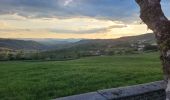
(92, 44)
(21, 44)
(74, 50)
(98, 47)
(84, 44)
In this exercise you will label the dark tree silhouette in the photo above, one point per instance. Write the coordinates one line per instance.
(153, 16)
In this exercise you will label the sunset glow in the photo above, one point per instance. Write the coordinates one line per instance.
(39, 22)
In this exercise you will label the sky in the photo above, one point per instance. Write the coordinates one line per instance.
(90, 19)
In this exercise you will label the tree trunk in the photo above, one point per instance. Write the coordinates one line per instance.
(153, 16)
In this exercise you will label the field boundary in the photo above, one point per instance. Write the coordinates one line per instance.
(148, 91)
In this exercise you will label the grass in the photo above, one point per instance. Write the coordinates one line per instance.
(21, 80)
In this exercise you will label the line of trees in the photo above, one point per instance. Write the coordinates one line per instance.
(18, 55)
(67, 54)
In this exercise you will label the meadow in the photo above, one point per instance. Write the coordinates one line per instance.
(44, 80)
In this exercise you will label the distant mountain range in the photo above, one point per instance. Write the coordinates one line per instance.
(51, 41)
(54, 44)
(21, 44)
(95, 44)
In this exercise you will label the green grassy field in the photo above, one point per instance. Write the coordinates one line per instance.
(21, 80)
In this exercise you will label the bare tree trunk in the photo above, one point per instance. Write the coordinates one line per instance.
(153, 16)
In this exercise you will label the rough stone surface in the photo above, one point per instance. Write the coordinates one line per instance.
(149, 91)
(86, 96)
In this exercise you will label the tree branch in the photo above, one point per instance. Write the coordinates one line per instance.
(152, 14)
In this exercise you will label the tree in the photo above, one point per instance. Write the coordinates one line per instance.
(153, 16)
(3, 55)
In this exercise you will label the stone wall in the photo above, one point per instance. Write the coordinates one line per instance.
(154, 95)
(149, 91)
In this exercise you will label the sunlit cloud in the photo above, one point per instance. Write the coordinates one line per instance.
(71, 18)
(72, 25)
(70, 28)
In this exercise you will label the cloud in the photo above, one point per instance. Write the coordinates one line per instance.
(103, 9)
(90, 31)
(67, 2)
(66, 31)
(15, 30)
(123, 10)
(71, 18)
(60, 26)
(72, 25)
(130, 30)
(2, 24)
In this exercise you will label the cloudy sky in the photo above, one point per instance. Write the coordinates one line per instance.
(71, 18)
